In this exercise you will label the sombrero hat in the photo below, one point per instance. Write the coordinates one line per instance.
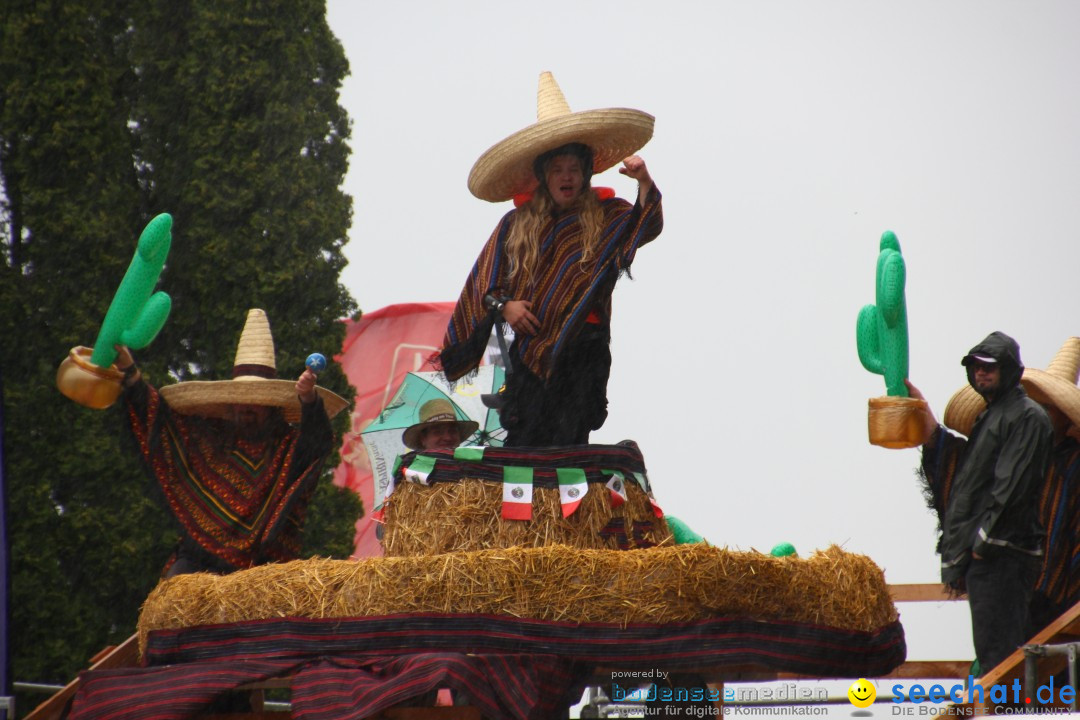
(434, 411)
(1054, 386)
(506, 169)
(254, 381)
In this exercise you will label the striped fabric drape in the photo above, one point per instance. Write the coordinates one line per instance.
(508, 667)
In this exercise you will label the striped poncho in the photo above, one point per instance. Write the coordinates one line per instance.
(240, 501)
(562, 293)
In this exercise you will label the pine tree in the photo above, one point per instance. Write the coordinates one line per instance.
(111, 112)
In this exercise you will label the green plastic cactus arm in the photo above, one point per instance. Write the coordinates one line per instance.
(867, 339)
(881, 332)
(136, 316)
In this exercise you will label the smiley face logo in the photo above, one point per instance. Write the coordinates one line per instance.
(862, 693)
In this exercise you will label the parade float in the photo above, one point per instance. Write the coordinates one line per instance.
(513, 576)
(517, 616)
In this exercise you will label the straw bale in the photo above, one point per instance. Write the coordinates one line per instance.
(449, 517)
(657, 585)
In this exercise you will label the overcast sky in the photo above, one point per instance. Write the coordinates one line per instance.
(789, 135)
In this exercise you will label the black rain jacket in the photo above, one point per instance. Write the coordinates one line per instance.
(993, 505)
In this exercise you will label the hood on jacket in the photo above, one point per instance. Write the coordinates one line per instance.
(1006, 351)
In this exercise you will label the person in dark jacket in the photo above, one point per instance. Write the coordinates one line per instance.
(1058, 586)
(991, 540)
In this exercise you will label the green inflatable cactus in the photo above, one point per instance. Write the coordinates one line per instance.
(881, 331)
(681, 532)
(136, 316)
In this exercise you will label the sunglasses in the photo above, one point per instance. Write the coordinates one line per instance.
(977, 366)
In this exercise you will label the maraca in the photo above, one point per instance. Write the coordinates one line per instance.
(316, 362)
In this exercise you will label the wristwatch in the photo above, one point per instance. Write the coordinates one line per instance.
(494, 302)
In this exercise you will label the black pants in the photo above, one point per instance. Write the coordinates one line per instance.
(999, 592)
(570, 404)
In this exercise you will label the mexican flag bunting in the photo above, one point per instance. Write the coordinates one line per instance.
(517, 493)
(644, 483)
(421, 467)
(469, 453)
(617, 486)
(572, 489)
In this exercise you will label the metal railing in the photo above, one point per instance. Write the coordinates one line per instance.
(1032, 653)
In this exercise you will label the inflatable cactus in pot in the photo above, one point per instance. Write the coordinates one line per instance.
(134, 319)
(881, 334)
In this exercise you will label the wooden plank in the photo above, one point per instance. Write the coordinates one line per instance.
(920, 592)
(916, 669)
(103, 652)
(124, 655)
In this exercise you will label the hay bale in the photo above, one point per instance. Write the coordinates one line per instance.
(465, 516)
(657, 585)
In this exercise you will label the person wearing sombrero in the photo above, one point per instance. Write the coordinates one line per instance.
(985, 489)
(438, 427)
(550, 266)
(234, 471)
(1057, 587)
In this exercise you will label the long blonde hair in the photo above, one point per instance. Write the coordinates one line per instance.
(523, 242)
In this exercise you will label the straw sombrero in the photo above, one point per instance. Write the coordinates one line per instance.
(506, 169)
(437, 411)
(1054, 386)
(254, 381)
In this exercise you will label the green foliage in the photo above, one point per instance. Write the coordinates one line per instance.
(225, 116)
(331, 509)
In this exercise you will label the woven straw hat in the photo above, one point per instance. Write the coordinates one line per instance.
(506, 169)
(437, 411)
(254, 381)
(1054, 386)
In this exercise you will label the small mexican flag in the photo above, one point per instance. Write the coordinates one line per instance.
(517, 493)
(572, 489)
(617, 486)
(419, 469)
(469, 453)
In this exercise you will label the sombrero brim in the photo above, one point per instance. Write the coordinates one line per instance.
(966, 404)
(506, 168)
(213, 398)
(411, 436)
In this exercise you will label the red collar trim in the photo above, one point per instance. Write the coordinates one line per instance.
(602, 193)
